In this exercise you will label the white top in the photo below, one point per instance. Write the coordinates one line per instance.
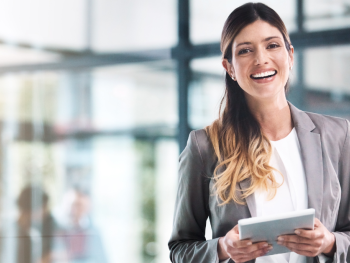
(290, 196)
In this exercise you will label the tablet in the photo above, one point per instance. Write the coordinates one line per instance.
(269, 228)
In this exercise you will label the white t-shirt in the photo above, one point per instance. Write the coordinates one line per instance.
(291, 195)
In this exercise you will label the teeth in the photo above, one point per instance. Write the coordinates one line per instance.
(264, 74)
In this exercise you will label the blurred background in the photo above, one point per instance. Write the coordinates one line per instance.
(97, 98)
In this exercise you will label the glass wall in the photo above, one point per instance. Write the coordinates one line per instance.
(88, 164)
(326, 14)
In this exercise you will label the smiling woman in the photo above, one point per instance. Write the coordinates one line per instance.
(262, 156)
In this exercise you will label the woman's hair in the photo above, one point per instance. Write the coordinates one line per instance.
(242, 149)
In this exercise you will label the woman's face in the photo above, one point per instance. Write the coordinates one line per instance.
(260, 61)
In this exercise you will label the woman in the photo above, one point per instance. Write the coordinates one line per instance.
(262, 156)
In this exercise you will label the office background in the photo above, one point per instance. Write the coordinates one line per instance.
(97, 98)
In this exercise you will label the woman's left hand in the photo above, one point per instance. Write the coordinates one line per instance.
(310, 243)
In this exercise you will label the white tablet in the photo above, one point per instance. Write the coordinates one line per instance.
(269, 228)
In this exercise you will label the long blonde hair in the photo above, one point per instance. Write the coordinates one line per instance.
(242, 149)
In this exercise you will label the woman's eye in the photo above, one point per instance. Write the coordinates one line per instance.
(243, 51)
(274, 45)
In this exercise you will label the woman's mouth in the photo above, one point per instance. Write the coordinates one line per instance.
(264, 75)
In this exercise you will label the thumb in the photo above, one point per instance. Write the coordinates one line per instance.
(236, 229)
(317, 223)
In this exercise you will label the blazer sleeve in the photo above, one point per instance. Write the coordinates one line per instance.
(187, 242)
(342, 228)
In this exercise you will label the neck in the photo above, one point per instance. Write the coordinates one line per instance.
(273, 116)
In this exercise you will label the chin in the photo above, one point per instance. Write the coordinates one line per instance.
(266, 94)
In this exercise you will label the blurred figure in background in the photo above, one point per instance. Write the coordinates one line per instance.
(82, 240)
(35, 226)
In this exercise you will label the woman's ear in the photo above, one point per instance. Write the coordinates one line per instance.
(229, 68)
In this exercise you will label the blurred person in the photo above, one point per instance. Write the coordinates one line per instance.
(262, 156)
(36, 226)
(81, 239)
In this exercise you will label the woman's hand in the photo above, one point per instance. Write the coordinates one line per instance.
(310, 243)
(240, 250)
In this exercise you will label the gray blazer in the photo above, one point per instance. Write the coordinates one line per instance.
(325, 150)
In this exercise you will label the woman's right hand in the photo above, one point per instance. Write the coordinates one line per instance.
(240, 250)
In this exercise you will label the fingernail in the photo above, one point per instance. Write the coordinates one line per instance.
(270, 248)
(280, 238)
(249, 243)
(297, 232)
(265, 245)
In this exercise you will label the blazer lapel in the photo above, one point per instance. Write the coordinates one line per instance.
(250, 199)
(311, 154)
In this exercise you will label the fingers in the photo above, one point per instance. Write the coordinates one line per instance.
(302, 236)
(310, 234)
(308, 253)
(300, 247)
(243, 257)
(243, 249)
(293, 239)
(305, 242)
(241, 244)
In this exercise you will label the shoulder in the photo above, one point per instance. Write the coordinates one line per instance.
(326, 123)
(334, 127)
(334, 131)
(319, 123)
(199, 149)
(203, 143)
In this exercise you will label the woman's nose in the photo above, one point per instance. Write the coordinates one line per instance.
(260, 58)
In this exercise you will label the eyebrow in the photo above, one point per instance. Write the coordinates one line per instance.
(248, 43)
